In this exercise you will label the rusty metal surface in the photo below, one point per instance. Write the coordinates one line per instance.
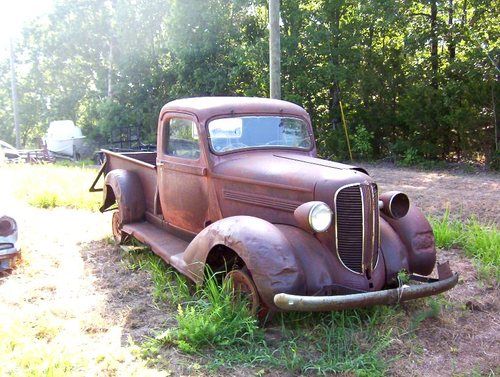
(139, 164)
(9, 246)
(246, 200)
(394, 253)
(184, 194)
(391, 296)
(209, 107)
(416, 233)
(395, 204)
(267, 253)
(125, 188)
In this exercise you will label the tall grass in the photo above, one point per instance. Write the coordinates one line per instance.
(214, 319)
(49, 186)
(224, 334)
(345, 342)
(448, 233)
(480, 242)
(168, 284)
(207, 316)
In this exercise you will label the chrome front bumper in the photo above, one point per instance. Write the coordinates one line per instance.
(358, 300)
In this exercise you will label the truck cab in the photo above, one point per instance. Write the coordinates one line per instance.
(236, 184)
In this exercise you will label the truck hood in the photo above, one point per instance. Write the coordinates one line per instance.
(288, 170)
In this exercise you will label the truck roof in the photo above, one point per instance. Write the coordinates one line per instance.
(207, 107)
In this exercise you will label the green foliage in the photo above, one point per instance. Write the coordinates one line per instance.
(495, 161)
(447, 233)
(403, 277)
(483, 243)
(362, 142)
(206, 316)
(212, 325)
(411, 157)
(480, 242)
(106, 65)
(45, 199)
(350, 342)
(167, 283)
(433, 310)
(215, 319)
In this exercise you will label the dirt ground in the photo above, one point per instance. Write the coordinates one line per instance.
(464, 194)
(72, 274)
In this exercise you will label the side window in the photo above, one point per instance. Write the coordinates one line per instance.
(181, 139)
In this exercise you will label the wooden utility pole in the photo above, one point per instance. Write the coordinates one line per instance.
(110, 68)
(274, 49)
(13, 86)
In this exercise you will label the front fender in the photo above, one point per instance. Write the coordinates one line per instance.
(267, 253)
(125, 188)
(417, 236)
(394, 252)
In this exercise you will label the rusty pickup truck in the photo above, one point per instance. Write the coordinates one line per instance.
(235, 184)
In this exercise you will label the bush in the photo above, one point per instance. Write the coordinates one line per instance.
(362, 143)
(494, 163)
(411, 157)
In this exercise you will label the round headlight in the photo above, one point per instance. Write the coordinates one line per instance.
(320, 217)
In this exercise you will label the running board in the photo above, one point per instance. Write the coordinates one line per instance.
(167, 246)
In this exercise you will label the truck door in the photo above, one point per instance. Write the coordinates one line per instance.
(182, 175)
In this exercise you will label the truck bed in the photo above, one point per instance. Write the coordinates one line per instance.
(141, 163)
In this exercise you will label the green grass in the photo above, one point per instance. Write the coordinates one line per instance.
(480, 242)
(224, 336)
(207, 316)
(447, 233)
(351, 341)
(50, 186)
(168, 284)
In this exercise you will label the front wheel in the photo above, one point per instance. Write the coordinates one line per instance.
(244, 288)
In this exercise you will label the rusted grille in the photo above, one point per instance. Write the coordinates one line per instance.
(376, 225)
(357, 226)
(349, 227)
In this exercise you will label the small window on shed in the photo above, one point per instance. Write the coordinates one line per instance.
(181, 139)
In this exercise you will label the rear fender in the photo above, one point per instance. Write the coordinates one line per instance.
(124, 188)
(416, 234)
(266, 252)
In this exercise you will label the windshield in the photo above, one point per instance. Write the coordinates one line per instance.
(229, 134)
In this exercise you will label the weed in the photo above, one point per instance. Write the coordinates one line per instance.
(433, 310)
(220, 330)
(348, 341)
(403, 277)
(167, 283)
(483, 244)
(411, 157)
(480, 242)
(447, 233)
(362, 142)
(44, 200)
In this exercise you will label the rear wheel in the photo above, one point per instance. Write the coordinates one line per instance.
(116, 226)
